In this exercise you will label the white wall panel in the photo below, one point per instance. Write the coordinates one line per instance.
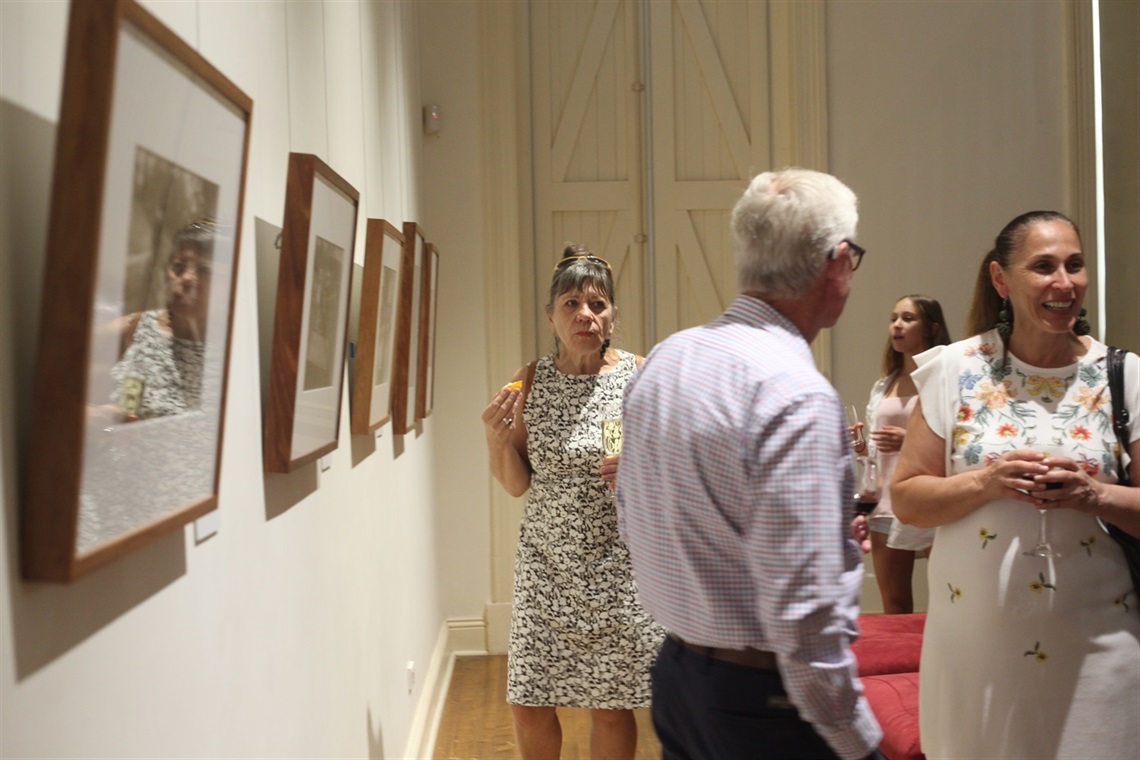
(32, 38)
(343, 84)
(307, 77)
(287, 633)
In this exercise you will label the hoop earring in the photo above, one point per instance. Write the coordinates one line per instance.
(1004, 322)
(605, 347)
(1081, 326)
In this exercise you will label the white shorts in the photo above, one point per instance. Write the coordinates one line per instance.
(908, 537)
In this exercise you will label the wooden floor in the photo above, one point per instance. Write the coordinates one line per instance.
(476, 720)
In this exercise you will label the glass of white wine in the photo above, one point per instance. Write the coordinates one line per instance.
(857, 439)
(611, 429)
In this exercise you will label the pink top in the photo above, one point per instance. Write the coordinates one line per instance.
(893, 410)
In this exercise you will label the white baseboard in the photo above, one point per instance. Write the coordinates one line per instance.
(498, 617)
(456, 635)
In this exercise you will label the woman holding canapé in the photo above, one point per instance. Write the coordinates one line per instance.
(916, 324)
(1032, 640)
(579, 637)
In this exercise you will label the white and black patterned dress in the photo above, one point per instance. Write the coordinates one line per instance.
(579, 637)
(169, 368)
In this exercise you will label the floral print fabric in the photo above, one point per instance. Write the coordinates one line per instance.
(579, 637)
(1026, 656)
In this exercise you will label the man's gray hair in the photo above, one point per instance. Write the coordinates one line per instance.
(784, 227)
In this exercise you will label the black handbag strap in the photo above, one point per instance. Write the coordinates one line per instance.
(1114, 364)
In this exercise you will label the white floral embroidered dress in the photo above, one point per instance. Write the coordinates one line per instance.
(1023, 656)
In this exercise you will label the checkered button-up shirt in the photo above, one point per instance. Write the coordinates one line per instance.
(734, 498)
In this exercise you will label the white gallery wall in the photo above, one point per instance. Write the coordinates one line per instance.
(289, 632)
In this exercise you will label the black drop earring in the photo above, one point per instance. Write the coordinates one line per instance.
(605, 347)
(1004, 322)
(1081, 326)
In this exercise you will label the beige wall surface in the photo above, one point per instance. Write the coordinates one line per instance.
(1120, 75)
(287, 633)
(948, 120)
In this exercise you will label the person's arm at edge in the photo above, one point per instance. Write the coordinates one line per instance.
(1113, 503)
(808, 611)
(1124, 512)
(1117, 504)
(922, 495)
(507, 449)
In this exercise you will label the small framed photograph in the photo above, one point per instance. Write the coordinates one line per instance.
(425, 390)
(310, 327)
(146, 214)
(371, 399)
(408, 316)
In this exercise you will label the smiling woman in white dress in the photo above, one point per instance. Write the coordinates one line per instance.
(1025, 656)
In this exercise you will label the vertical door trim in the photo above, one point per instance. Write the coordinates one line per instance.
(508, 267)
(798, 34)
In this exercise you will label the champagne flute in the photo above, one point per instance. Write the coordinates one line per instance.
(1043, 548)
(857, 439)
(868, 484)
(611, 429)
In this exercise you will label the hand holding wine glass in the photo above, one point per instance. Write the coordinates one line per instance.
(868, 484)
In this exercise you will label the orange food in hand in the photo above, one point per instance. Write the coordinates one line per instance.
(515, 386)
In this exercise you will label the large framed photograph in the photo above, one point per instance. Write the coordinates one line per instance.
(371, 400)
(310, 328)
(407, 361)
(425, 390)
(139, 281)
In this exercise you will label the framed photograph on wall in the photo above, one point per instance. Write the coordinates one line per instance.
(310, 327)
(139, 280)
(371, 401)
(425, 390)
(408, 331)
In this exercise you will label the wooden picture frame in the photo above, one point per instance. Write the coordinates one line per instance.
(139, 281)
(407, 331)
(310, 328)
(429, 297)
(371, 400)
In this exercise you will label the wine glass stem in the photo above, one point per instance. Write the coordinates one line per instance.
(1041, 538)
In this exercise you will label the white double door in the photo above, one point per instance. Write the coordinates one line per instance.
(648, 118)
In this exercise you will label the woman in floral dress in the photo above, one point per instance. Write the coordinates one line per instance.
(1028, 653)
(579, 636)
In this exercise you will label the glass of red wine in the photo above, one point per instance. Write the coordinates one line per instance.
(868, 484)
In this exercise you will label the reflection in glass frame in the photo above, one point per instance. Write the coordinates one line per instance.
(408, 331)
(371, 399)
(310, 329)
(138, 294)
(425, 391)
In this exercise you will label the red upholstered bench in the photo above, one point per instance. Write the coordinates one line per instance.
(888, 650)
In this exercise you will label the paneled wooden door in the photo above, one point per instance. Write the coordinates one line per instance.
(586, 98)
(710, 136)
(608, 176)
(640, 161)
